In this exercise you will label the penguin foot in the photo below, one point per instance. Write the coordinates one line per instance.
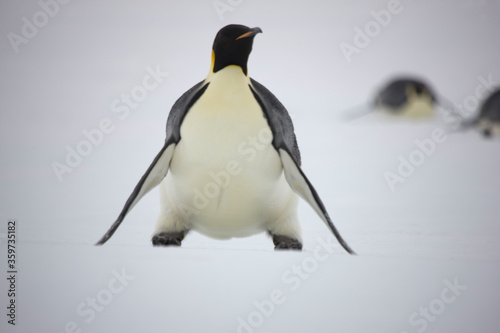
(168, 238)
(286, 243)
(487, 133)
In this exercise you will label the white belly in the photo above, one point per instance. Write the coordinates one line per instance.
(416, 108)
(226, 179)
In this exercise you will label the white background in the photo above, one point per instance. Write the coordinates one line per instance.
(441, 224)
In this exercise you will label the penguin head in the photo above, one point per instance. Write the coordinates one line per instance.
(420, 90)
(400, 91)
(232, 46)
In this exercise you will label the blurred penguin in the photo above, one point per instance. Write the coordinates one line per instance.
(402, 97)
(406, 97)
(488, 119)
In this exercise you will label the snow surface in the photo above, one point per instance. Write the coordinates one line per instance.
(440, 227)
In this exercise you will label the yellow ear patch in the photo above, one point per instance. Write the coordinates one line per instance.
(213, 62)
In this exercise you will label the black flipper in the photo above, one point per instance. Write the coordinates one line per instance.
(153, 176)
(285, 142)
(159, 168)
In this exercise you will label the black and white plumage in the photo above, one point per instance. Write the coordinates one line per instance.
(403, 97)
(488, 119)
(406, 96)
(230, 166)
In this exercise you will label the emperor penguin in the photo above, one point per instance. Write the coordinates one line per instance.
(488, 119)
(406, 97)
(403, 97)
(230, 165)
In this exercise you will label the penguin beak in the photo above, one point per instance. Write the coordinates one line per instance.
(250, 33)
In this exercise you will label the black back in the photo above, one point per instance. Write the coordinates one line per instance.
(490, 109)
(394, 95)
(179, 111)
(278, 119)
